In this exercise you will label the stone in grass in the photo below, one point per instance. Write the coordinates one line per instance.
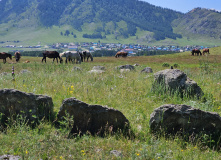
(31, 106)
(147, 70)
(10, 157)
(130, 67)
(174, 80)
(93, 119)
(184, 119)
(116, 153)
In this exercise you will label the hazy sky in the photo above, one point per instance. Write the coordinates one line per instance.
(186, 5)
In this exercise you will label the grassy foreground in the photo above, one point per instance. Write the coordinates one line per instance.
(128, 92)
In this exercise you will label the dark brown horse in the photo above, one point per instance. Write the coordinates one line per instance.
(4, 55)
(196, 52)
(206, 50)
(51, 54)
(86, 54)
(17, 56)
(121, 54)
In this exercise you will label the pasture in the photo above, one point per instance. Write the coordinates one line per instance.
(129, 92)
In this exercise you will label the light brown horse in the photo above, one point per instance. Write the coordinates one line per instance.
(121, 54)
(17, 56)
(206, 50)
(4, 55)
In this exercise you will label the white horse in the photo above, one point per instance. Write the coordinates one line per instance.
(71, 56)
(87, 54)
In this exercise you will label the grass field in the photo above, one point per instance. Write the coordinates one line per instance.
(128, 92)
(45, 36)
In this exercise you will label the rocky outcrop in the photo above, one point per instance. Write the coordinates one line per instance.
(175, 80)
(33, 107)
(173, 119)
(94, 119)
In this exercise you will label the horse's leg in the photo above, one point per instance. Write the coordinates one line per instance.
(57, 59)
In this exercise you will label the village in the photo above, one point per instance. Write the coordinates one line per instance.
(131, 49)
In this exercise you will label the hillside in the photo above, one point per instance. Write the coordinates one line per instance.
(132, 14)
(199, 22)
(123, 21)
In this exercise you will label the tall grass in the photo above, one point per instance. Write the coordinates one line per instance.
(128, 92)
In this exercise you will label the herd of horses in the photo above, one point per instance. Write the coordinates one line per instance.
(197, 52)
(71, 56)
(77, 56)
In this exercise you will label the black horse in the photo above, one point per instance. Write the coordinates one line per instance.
(196, 52)
(51, 54)
(87, 55)
(4, 55)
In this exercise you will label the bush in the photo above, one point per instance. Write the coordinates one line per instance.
(165, 64)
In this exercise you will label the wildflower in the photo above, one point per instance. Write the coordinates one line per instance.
(138, 154)
(24, 85)
(181, 150)
(26, 152)
(61, 157)
(82, 151)
(71, 92)
(72, 87)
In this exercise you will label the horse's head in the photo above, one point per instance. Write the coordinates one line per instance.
(61, 60)
(10, 56)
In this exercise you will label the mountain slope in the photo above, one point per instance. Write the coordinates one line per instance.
(77, 13)
(200, 23)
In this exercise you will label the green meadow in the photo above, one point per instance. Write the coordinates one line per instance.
(128, 92)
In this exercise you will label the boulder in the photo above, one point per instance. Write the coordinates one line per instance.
(147, 70)
(130, 67)
(176, 80)
(95, 119)
(33, 107)
(184, 119)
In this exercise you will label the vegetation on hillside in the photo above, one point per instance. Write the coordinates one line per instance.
(199, 23)
(135, 14)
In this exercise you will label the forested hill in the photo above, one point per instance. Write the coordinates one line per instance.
(105, 13)
(199, 22)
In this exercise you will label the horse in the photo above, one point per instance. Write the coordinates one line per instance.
(71, 56)
(4, 55)
(196, 51)
(17, 56)
(87, 54)
(122, 54)
(206, 50)
(50, 54)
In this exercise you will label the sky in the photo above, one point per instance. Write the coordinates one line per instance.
(186, 5)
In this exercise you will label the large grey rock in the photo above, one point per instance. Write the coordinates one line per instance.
(176, 80)
(184, 119)
(127, 66)
(147, 70)
(33, 107)
(95, 119)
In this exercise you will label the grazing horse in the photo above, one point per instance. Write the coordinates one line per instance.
(71, 55)
(51, 54)
(196, 51)
(4, 55)
(122, 54)
(206, 50)
(17, 56)
(87, 54)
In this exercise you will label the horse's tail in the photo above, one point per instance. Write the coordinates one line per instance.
(115, 55)
(91, 57)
